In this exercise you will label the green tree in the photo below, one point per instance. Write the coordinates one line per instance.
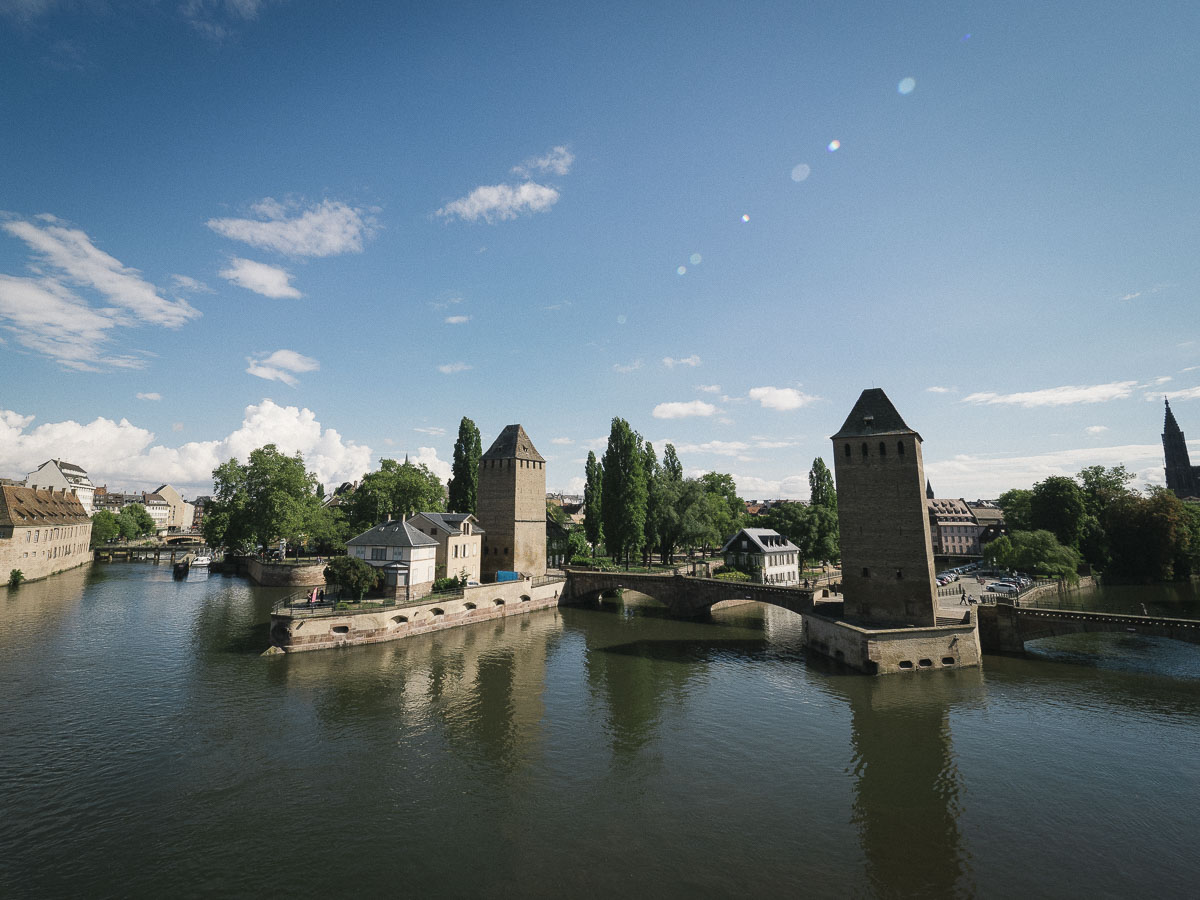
(105, 527)
(395, 490)
(577, 544)
(1150, 538)
(593, 521)
(726, 510)
(1057, 506)
(134, 521)
(820, 486)
(624, 488)
(326, 529)
(1038, 552)
(464, 474)
(355, 575)
(671, 464)
(653, 501)
(1101, 487)
(271, 496)
(1015, 506)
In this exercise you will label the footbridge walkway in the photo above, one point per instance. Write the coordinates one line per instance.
(1004, 628)
(684, 595)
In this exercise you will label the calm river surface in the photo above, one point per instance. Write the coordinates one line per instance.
(146, 750)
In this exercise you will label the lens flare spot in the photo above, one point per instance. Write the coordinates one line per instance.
(801, 172)
(696, 259)
(745, 217)
(621, 319)
(833, 145)
(682, 270)
(906, 85)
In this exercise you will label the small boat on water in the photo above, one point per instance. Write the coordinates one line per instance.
(201, 561)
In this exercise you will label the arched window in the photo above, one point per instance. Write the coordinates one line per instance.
(864, 449)
(882, 449)
(847, 451)
(900, 447)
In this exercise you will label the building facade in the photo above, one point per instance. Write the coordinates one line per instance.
(1182, 477)
(766, 552)
(459, 539)
(180, 514)
(42, 531)
(511, 506)
(408, 555)
(887, 556)
(55, 474)
(954, 530)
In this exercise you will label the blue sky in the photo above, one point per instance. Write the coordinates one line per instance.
(343, 227)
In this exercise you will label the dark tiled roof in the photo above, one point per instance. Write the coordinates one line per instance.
(22, 506)
(452, 522)
(513, 443)
(873, 414)
(392, 534)
(767, 540)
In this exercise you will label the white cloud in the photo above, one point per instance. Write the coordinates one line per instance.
(452, 368)
(1058, 396)
(281, 366)
(783, 399)
(217, 18)
(431, 430)
(1185, 394)
(988, 477)
(429, 457)
(1096, 429)
(125, 455)
(773, 445)
(46, 313)
(626, 369)
(1162, 379)
(269, 281)
(150, 395)
(497, 202)
(936, 389)
(719, 448)
(681, 410)
(561, 440)
(327, 229)
(187, 283)
(792, 487)
(457, 320)
(709, 388)
(557, 162)
(671, 363)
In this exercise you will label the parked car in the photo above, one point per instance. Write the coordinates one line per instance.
(1002, 587)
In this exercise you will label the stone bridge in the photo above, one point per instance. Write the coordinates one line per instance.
(683, 595)
(1004, 628)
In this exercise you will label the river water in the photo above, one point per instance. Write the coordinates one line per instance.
(147, 750)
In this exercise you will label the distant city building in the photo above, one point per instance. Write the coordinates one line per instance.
(1182, 477)
(459, 539)
(42, 531)
(558, 543)
(181, 514)
(511, 505)
(953, 529)
(408, 555)
(55, 474)
(772, 557)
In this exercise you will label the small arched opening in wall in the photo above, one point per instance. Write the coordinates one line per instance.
(468, 606)
(437, 611)
(524, 598)
(947, 660)
(399, 620)
(497, 602)
(340, 629)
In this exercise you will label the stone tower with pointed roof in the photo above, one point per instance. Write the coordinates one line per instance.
(1182, 476)
(887, 557)
(511, 505)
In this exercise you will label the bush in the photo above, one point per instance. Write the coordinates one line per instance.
(731, 575)
(583, 562)
(450, 584)
(15, 577)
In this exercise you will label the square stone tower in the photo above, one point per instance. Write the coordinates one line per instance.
(887, 556)
(511, 505)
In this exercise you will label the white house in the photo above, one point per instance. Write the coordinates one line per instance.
(409, 555)
(774, 558)
(54, 474)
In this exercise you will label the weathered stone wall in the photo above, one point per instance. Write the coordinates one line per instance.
(887, 560)
(281, 575)
(893, 651)
(49, 555)
(478, 604)
(511, 508)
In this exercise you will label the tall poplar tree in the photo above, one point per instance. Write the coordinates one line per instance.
(653, 501)
(593, 523)
(464, 473)
(821, 492)
(624, 509)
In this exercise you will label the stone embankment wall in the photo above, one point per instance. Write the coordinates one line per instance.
(1055, 589)
(283, 575)
(477, 604)
(894, 650)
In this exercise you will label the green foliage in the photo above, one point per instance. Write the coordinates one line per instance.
(672, 467)
(326, 530)
(452, 583)
(1102, 487)
(581, 559)
(593, 522)
(133, 521)
(625, 492)
(464, 474)
(813, 529)
(1056, 505)
(821, 492)
(1015, 506)
(105, 527)
(653, 500)
(731, 575)
(726, 510)
(557, 513)
(15, 577)
(577, 544)
(1036, 552)
(1151, 538)
(355, 575)
(395, 490)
